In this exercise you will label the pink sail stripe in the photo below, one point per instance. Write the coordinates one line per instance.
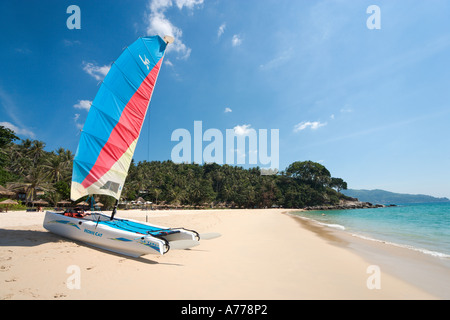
(127, 129)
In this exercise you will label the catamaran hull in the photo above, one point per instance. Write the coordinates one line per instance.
(108, 238)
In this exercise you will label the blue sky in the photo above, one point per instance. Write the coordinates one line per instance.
(370, 105)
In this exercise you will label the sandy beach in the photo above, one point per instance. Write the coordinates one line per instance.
(262, 254)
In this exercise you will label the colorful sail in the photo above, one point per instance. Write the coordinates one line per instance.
(115, 119)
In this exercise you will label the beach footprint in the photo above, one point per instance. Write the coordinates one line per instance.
(11, 280)
(29, 292)
(7, 297)
(6, 258)
(4, 268)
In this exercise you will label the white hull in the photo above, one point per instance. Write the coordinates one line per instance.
(93, 230)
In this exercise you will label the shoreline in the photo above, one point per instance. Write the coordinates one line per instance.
(442, 256)
(263, 254)
(408, 264)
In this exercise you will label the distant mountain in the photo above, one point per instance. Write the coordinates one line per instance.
(386, 197)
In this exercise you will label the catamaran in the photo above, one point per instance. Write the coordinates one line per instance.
(104, 154)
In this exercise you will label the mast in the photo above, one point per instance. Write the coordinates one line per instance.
(114, 210)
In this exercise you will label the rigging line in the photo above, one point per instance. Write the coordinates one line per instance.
(148, 134)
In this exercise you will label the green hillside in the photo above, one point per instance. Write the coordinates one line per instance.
(386, 197)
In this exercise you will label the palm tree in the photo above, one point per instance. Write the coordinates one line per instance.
(67, 157)
(25, 145)
(37, 151)
(54, 197)
(56, 167)
(19, 163)
(156, 192)
(35, 181)
(61, 151)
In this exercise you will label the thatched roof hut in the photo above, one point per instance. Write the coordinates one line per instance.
(6, 192)
(7, 203)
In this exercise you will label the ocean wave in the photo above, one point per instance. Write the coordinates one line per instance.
(404, 246)
(331, 225)
(365, 237)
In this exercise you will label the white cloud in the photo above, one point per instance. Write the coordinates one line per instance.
(17, 130)
(157, 5)
(97, 72)
(83, 104)
(159, 24)
(70, 43)
(221, 30)
(308, 124)
(227, 110)
(236, 41)
(78, 125)
(168, 62)
(242, 130)
(10, 109)
(188, 3)
(276, 62)
(23, 50)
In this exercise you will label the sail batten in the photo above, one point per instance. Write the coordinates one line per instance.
(114, 123)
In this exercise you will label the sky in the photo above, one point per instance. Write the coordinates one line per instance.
(365, 93)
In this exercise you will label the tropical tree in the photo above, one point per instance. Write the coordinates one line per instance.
(7, 138)
(338, 184)
(56, 167)
(36, 151)
(310, 172)
(35, 181)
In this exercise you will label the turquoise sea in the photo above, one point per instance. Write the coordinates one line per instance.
(420, 227)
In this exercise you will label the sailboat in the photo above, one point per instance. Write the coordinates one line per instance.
(104, 154)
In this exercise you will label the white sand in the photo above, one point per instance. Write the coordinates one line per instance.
(262, 254)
